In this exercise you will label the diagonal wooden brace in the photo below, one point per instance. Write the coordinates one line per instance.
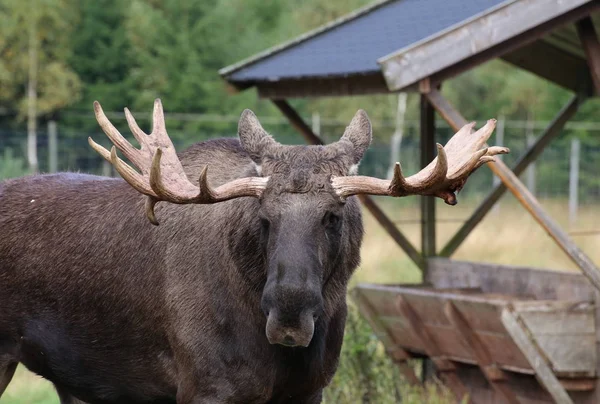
(512, 182)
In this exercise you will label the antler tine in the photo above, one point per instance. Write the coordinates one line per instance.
(138, 133)
(158, 119)
(427, 177)
(163, 177)
(99, 149)
(129, 174)
(115, 136)
(442, 178)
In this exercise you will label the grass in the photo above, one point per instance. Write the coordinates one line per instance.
(507, 235)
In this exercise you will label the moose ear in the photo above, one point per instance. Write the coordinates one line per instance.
(254, 139)
(359, 134)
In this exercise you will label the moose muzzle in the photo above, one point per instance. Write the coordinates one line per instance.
(291, 310)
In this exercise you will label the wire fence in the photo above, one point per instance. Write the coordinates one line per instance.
(567, 170)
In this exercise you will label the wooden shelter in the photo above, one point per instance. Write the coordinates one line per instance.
(494, 333)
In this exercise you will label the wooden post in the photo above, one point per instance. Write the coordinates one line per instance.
(512, 182)
(589, 40)
(427, 130)
(396, 140)
(574, 181)
(550, 133)
(428, 249)
(52, 147)
(316, 123)
(298, 123)
(499, 142)
(530, 138)
(107, 168)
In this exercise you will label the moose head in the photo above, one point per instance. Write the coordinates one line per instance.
(304, 193)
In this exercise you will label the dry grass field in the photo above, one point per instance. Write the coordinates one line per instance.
(507, 236)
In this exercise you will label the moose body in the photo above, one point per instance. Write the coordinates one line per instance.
(112, 309)
(240, 301)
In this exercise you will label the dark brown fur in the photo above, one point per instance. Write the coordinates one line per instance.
(112, 309)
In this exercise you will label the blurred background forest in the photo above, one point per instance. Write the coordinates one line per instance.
(58, 56)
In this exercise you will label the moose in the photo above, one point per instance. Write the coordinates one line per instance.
(237, 296)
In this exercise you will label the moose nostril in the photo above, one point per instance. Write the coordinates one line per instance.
(289, 341)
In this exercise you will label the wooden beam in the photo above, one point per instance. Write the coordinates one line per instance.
(591, 46)
(398, 355)
(514, 185)
(549, 134)
(528, 347)
(471, 43)
(400, 239)
(372, 83)
(491, 371)
(445, 367)
(566, 69)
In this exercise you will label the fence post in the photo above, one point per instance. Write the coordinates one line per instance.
(530, 174)
(499, 142)
(316, 123)
(574, 181)
(52, 147)
(106, 169)
(396, 140)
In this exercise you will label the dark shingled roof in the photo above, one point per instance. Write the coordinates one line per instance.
(352, 45)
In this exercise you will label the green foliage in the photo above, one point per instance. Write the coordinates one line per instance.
(367, 375)
(50, 23)
(11, 166)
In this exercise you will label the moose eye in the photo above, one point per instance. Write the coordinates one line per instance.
(331, 220)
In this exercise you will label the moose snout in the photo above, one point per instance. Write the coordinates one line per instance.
(291, 314)
(297, 335)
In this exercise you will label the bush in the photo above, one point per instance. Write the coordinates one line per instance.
(11, 166)
(367, 375)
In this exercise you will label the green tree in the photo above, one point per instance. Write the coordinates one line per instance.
(35, 78)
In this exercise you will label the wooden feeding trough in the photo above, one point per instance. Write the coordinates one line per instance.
(492, 330)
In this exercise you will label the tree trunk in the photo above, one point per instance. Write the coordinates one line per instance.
(32, 98)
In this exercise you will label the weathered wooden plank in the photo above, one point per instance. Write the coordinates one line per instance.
(578, 384)
(591, 46)
(511, 280)
(491, 371)
(558, 317)
(550, 133)
(393, 348)
(389, 226)
(569, 355)
(501, 30)
(543, 372)
(443, 365)
(512, 182)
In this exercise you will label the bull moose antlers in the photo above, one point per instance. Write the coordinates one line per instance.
(163, 177)
(444, 176)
